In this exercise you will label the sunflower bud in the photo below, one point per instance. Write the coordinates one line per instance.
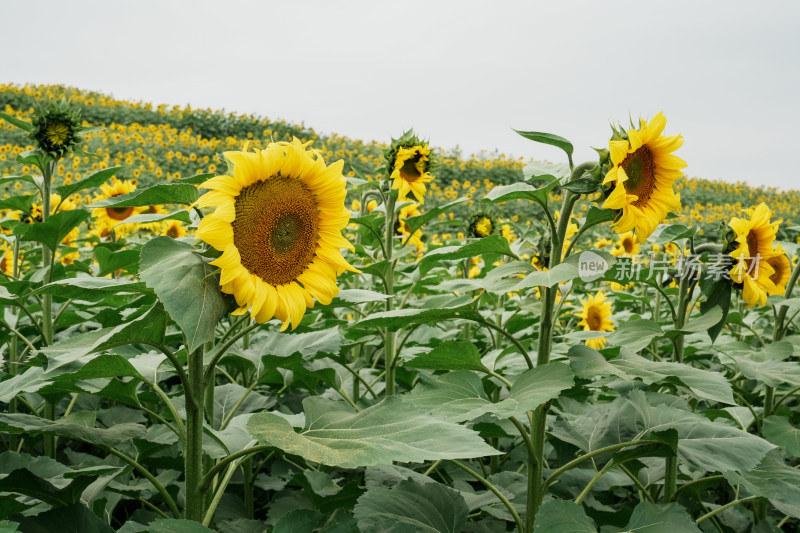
(56, 129)
(481, 225)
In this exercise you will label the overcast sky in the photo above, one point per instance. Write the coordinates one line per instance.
(726, 74)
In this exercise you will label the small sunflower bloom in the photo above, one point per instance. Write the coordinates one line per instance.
(753, 252)
(409, 164)
(595, 315)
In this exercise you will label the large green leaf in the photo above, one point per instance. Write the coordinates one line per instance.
(149, 218)
(635, 334)
(493, 244)
(563, 516)
(393, 430)
(149, 327)
(162, 193)
(428, 508)
(521, 191)
(709, 446)
(654, 518)
(186, 285)
(176, 525)
(450, 355)
(53, 230)
(23, 423)
(548, 138)
(548, 278)
(772, 479)
(402, 317)
(459, 395)
(92, 288)
(414, 223)
(778, 430)
(93, 180)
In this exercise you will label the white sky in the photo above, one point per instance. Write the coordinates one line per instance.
(726, 74)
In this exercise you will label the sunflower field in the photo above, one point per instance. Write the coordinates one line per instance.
(218, 322)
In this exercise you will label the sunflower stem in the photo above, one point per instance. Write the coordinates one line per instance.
(390, 345)
(193, 453)
(47, 299)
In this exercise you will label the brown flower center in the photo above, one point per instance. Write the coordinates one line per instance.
(409, 170)
(641, 172)
(276, 229)
(594, 318)
(119, 213)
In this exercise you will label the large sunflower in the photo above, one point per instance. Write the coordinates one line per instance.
(596, 316)
(642, 173)
(278, 223)
(410, 172)
(754, 250)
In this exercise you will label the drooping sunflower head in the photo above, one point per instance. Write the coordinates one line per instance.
(56, 129)
(753, 251)
(643, 170)
(481, 224)
(106, 218)
(278, 221)
(783, 270)
(595, 315)
(409, 163)
(6, 259)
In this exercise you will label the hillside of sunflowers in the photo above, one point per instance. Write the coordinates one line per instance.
(219, 322)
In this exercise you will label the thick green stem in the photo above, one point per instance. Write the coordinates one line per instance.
(47, 299)
(151, 478)
(249, 502)
(193, 452)
(390, 345)
(670, 478)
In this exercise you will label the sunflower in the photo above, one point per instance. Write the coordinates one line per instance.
(107, 217)
(596, 316)
(783, 270)
(754, 248)
(56, 129)
(402, 227)
(626, 246)
(278, 223)
(6, 259)
(642, 172)
(410, 172)
(173, 228)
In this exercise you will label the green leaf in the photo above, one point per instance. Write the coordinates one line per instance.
(197, 179)
(21, 202)
(581, 185)
(459, 395)
(186, 285)
(94, 180)
(110, 261)
(665, 233)
(718, 294)
(12, 179)
(21, 124)
(162, 193)
(704, 322)
(176, 525)
(428, 508)
(778, 430)
(73, 518)
(704, 384)
(148, 327)
(657, 518)
(115, 435)
(299, 521)
(360, 296)
(548, 278)
(23, 481)
(89, 287)
(597, 216)
(149, 218)
(402, 317)
(493, 244)
(521, 191)
(53, 230)
(392, 430)
(450, 355)
(772, 479)
(635, 334)
(548, 138)
(414, 223)
(563, 516)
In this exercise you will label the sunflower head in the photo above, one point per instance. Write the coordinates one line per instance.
(481, 224)
(626, 245)
(409, 163)
(417, 239)
(595, 315)
(278, 221)
(56, 129)
(782, 270)
(752, 270)
(106, 218)
(641, 176)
